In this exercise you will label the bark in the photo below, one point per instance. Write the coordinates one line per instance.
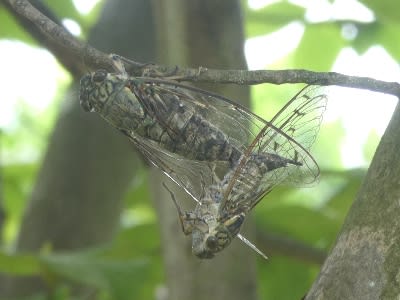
(202, 33)
(77, 199)
(365, 260)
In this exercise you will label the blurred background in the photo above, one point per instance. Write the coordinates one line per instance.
(77, 217)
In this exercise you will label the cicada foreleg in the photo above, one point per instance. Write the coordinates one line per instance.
(188, 219)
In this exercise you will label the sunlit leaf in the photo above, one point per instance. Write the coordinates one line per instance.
(384, 9)
(319, 47)
(272, 17)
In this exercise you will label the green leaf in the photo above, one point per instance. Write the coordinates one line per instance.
(285, 279)
(271, 18)
(326, 148)
(319, 47)
(122, 279)
(19, 264)
(384, 9)
(340, 201)
(388, 37)
(64, 9)
(134, 242)
(10, 29)
(298, 222)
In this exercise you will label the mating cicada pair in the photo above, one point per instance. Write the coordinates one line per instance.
(224, 156)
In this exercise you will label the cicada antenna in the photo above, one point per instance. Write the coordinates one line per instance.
(251, 245)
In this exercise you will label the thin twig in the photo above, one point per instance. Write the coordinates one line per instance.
(90, 58)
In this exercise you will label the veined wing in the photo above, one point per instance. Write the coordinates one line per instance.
(290, 136)
(298, 122)
(189, 174)
(239, 125)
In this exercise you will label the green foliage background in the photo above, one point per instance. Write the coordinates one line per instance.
(130, 267)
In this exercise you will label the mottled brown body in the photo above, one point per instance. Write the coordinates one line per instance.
(132, 107)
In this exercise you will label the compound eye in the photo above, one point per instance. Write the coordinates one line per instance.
(99, 76)
(212, 242)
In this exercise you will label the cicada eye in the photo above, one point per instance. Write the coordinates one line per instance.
(212, 242)
(99, 76)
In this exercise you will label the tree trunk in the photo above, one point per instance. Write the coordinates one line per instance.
(364, 262)
(77, 199)
(201, 33)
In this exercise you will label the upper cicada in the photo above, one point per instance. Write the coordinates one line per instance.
(222, 154)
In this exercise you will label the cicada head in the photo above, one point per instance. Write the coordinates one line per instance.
(96, 88)
(210, 238)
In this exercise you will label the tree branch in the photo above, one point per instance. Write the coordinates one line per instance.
(86, 57)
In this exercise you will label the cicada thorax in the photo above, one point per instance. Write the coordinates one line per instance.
(156, 113)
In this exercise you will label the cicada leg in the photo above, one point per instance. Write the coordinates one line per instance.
(188, 219)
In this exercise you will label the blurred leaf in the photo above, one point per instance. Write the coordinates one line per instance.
(384, 33)
(367, 36)
(122, 279)
(19, 264)
(370, 145)
(136, 241)
(282, 278)
(64, 9)
(327, 146)
(271, 18)
(267, 100)
(319, 47)
(299, 222)
(18, 181)
(90, 19)
(10, 29)
(388, 37)
(339, 203)
(384, 9)
(138, 192)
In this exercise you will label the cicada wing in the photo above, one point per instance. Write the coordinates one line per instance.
(239, 125)
(191, 175)
(278, 142)
(293, 132)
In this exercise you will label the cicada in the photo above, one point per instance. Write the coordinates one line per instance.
(275, 156)
(192, 134)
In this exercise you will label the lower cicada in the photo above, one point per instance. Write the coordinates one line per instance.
(275, 156)
(186, 131)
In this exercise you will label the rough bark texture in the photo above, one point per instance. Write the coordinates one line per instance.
(202, 33)
(76, 201)
(365, 261)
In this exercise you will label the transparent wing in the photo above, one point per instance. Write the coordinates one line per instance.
(288, 139)
(239, 125)
(191, 175)
(243, 129)
(294, 130)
